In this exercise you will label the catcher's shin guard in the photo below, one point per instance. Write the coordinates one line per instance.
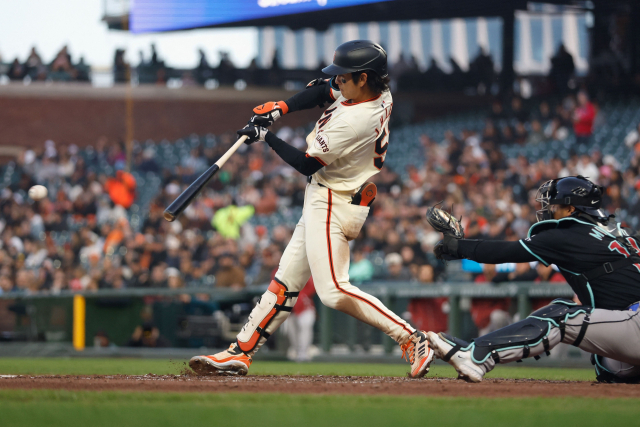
(272, 309)
(537, 334)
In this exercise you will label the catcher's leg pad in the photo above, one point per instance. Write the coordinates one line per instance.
(538, 333)
(615, 372)
(277, 298)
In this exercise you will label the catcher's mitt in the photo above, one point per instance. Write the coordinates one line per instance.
(444, 222)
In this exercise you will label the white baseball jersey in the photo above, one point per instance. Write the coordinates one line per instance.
(350, 140)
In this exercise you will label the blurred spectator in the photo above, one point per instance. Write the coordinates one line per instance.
(562, 69)
(583, 118)
(122, 189)
(360, 269)
(101, 340)
(228, 220)
(62, 62)
(35, 66)
(633, 137)
(395, 269)
(120, 67)
(229, 275)
(299, 325)
(536, 135)
(147, 335)
(17, 71)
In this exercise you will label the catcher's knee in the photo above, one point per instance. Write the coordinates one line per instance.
(276, 300)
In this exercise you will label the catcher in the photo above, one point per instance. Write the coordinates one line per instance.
(598, 258)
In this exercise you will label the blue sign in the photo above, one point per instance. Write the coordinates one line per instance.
(166, 15)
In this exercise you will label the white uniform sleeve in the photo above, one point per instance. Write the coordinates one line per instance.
(330, 143)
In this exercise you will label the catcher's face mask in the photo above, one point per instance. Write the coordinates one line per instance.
(543, 196)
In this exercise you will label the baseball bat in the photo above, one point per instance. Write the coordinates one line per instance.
(186, 197)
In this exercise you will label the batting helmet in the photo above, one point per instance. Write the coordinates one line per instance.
(358, 55)
(576, 191)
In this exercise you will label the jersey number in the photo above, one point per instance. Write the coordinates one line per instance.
(380, 149)
(616, 246)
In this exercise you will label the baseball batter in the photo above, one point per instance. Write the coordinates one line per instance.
(600, 261)
(347, 146)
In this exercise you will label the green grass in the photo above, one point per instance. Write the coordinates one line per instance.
(122, 409)
(111, 366)
(69, 409)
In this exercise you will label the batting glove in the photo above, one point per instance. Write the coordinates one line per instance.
(317, 82)
(266, 114)
(254, 133)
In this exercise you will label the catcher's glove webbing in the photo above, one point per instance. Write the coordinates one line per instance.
(444, 222)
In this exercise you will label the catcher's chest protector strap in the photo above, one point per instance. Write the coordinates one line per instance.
(271, 302)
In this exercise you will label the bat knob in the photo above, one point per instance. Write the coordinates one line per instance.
(169, 216)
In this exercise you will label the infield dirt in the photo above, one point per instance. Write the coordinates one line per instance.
(318, 384)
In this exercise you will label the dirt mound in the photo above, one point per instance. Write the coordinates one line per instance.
(319, 384)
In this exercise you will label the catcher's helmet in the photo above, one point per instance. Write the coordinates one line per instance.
(576, 191)
(358, 55)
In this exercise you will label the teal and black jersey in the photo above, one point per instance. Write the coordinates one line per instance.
(576, 247)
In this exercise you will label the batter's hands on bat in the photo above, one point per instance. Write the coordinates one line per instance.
(253, 132)
(266, 114)
(317, 82)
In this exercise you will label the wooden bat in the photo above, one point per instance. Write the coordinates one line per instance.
(183, 200)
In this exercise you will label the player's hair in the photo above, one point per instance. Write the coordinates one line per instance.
(376, 83)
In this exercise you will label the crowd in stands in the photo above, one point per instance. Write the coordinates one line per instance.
(220, 238)
(61, 68)
(91, 233)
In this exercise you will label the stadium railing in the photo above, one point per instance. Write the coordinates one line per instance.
(50, 317)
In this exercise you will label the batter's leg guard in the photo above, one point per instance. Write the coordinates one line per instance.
(274, 307)
(537, 334)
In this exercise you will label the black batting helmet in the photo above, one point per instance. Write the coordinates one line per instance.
(358, 55)
(576, 191)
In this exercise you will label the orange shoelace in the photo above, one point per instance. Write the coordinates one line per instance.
(408, 351)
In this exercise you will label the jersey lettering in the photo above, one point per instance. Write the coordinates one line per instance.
(325, 117)
(616, 246)
(597, 234)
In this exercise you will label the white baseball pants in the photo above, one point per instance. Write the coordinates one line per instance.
(319, 247)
